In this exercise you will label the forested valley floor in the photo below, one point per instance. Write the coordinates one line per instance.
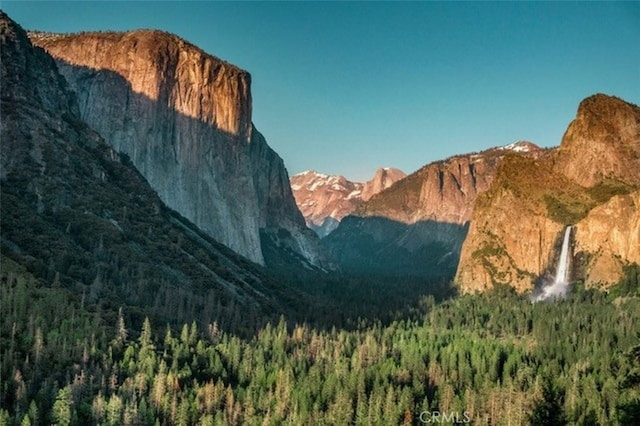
(494, 358)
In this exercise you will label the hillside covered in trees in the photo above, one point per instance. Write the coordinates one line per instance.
(491, 359)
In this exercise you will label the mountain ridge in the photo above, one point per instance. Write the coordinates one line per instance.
(417, 226)
(457, 180)
(77, 214)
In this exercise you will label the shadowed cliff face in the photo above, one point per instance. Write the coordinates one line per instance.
(590, 181)
(184, 118)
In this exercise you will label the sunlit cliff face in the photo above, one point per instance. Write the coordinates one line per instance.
(164, 68)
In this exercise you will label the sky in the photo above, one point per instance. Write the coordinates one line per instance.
(347, 87)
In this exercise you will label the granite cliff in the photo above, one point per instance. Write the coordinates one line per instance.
(383, 179)
(602, 142)
(589, 182)
(184, 119)
(77, 214)
(417, 226)
(324, 200)
(609, 238)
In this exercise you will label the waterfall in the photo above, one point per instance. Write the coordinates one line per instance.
(563, 264)
(558, 288)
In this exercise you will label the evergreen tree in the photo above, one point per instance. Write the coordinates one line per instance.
(548, 410)
(61, 411)
(629, 408)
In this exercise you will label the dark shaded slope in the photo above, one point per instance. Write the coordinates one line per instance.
(378, 246)
(417, 226)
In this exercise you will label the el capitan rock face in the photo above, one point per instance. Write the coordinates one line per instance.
(76, 212)
(324, 200)
(589, 182)
(417, 226)
(184, 119)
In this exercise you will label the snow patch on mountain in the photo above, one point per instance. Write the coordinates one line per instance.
(520, 146)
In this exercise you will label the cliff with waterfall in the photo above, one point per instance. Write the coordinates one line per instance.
(591, 182)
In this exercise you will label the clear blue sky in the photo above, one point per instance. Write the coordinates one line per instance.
(344, 88)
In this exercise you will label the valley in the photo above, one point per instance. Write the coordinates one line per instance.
(159, 266)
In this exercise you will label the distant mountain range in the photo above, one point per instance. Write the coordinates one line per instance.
(416, 227)
(498, 216)
(324, 200)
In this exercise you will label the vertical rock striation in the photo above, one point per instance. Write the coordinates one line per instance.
(383, 179)
(609, 236)
(75, 211)
(184, 119)
(443, 191)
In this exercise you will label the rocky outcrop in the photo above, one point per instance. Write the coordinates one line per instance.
(417, 226)
(324, 200)
(383, 179)
(603, 142)
(184, 119)
(590, 181)
(609, 237)
(511, 239)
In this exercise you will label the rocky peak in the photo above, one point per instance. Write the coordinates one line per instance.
(34, 66)
(588, 182)
(520, 146)
(602, 142)
(383, 179)
(325, 200)
(166, 69)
